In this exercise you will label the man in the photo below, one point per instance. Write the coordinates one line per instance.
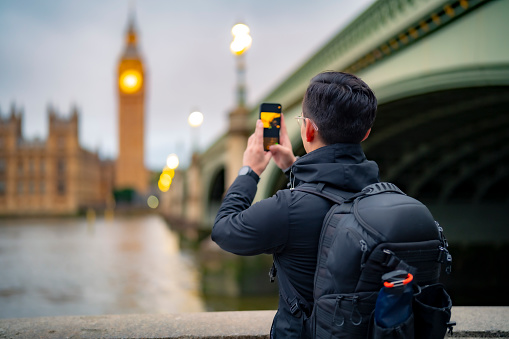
(338, 112)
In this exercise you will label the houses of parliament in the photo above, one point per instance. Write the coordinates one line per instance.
(57, 176)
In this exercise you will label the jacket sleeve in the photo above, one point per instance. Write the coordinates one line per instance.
(246, 229)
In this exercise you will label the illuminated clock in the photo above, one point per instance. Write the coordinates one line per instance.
(130, 81)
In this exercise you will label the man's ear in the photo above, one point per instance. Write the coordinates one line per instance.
(310, 131)
(367, 135)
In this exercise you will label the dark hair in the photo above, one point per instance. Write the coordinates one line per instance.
(342, 106)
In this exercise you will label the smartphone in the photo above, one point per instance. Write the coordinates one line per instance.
(270, 114)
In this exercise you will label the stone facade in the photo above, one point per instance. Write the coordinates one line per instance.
(55, 176)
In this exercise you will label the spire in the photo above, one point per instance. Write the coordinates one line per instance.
(131, 31)
(131, 50)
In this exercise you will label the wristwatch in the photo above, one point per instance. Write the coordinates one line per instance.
(246, 170)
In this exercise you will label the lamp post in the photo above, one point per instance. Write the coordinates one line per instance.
(240, 44)
(195, 120)
(238, 130)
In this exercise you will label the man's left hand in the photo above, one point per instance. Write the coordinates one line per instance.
(254, 155)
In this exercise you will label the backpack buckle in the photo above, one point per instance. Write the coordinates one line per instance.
(444, 257)
(272, 273)
(294, 307)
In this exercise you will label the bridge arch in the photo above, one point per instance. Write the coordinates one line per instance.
(440, 141)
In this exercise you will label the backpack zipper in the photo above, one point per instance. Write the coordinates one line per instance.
(363, 244)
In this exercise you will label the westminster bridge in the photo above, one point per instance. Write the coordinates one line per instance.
(440, 71)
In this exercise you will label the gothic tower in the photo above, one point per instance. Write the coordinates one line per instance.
(130, 167)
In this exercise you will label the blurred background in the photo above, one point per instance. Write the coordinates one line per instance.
(122, 124)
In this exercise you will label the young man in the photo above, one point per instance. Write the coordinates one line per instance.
(338, 111)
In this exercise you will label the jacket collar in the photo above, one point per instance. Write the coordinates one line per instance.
(339, 165)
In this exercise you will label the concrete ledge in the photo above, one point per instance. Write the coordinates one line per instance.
(241, 325)
(473, 322)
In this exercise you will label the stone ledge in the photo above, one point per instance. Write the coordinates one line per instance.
(473, 322)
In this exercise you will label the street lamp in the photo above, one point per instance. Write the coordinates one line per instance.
(240, 44)
(195, 120)
(172, 161)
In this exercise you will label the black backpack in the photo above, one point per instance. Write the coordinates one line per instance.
(364, 236)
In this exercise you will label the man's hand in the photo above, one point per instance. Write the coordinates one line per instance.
(254, 155)
(283, 153)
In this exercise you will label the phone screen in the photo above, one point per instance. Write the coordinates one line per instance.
(270, 114)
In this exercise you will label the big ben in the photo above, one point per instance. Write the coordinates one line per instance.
(130, 167)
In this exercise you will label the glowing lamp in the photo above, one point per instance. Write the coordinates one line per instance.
(162, 187)
(241, 39)
(195, 119)
(152, 201)
(172, 161)
(240, 29)
(168, 171)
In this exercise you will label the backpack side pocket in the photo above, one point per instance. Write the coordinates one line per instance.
(432, 312)
(343, 315)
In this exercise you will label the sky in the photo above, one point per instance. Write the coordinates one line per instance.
(64, 53)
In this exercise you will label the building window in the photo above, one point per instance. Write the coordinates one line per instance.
(20, 187)
(20, 167)
(42, 167)
(60, 187)
(61, 167)
(42, 188)
(31, 166)
(31, 187)
(2, 165)
(2, 187)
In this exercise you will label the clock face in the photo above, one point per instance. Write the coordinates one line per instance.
(130, 81)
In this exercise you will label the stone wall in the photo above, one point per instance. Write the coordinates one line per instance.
(472, 322)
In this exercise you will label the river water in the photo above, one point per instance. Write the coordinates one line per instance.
(52, 267)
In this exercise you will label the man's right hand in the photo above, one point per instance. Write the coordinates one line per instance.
(283, 153)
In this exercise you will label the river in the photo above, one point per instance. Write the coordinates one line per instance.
(71, 266)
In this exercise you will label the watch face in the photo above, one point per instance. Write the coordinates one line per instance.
(130, 81)
(244, 170)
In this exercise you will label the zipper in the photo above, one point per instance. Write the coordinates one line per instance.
(363, 245)
(292, 182)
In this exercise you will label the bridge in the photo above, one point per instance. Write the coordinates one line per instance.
(440, 71)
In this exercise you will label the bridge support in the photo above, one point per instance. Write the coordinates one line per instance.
(238, 134)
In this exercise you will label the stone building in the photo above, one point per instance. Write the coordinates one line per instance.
(55, 176)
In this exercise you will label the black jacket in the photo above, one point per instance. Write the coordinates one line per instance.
(289, 223)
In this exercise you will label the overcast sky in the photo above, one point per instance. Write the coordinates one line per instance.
(66, 52)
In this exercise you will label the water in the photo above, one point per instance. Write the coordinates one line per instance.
(52, 267)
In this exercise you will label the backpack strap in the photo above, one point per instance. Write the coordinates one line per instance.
(298, 305)
(330, 193)
(339, 196)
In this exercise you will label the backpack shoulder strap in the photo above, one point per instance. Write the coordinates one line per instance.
(330, 193)
(298, 305)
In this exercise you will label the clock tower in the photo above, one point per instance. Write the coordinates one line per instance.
(130, 172)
